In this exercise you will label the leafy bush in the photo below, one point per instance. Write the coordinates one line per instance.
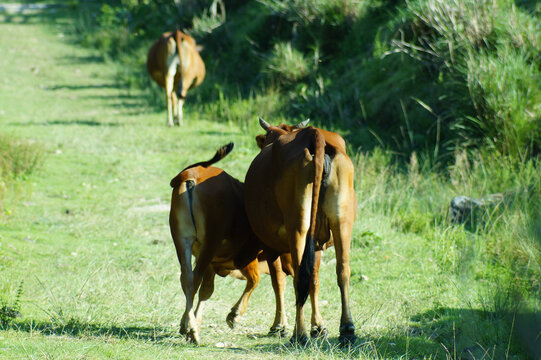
(19, 158)
(286, 64)
(490, 66)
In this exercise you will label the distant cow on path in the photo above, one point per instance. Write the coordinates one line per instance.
(207, 219)
(174, 63)
(299, 195)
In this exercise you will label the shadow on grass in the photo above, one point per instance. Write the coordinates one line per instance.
(470, 334)
(441, 333)
(216, 132)
(366, 346)
(77, 328)
(82, 87)
(68, 123)
(71, 60)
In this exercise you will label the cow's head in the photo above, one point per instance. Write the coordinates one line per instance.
(273, 132)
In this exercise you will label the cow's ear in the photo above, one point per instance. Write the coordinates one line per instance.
(260, 139)
(199, 48)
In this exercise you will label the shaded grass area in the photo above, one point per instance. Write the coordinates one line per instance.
(437, 333)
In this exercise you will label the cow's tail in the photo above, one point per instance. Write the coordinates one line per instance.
(306, 268)
(220, 154)
(178, 40)
(190, 185)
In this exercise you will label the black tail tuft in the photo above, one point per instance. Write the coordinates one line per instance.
(226, 149)
(220, 154)
(306, 269)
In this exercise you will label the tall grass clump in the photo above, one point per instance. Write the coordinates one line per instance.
(287, 65)
(487, 53)
(18, 159)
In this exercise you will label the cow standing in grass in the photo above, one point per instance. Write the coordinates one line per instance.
(208, 220)
(299, 194)
(174, 63)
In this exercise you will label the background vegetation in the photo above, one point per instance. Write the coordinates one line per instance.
(425, 75)
(435, 98)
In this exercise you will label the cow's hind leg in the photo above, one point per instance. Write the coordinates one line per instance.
(180, 104)
(184, 252)
(278, 279)
(251, 272)
(299, 332)
(317, 329)
(174, 100)
(169, 83)
(205, 292)
(342, 242)
(203, 263)
(181, 92)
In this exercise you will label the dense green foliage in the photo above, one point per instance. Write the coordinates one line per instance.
(420, 75)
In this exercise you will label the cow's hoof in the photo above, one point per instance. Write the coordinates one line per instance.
(318, 331)
(182, 330)
(347, 335)
(279, 331)
(231, 319)
(299, 340)
(192, 337)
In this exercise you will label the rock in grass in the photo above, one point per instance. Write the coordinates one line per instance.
(464, 208)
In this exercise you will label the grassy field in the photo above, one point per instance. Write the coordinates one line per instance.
(86, 256)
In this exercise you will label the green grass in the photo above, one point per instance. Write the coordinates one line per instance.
(87, 234)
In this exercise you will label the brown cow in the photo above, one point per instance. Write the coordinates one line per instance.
(207, 219)
(174, 63)
(299, 194)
